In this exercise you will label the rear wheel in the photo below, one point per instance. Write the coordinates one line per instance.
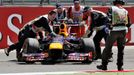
(31, 45)
(88, 47)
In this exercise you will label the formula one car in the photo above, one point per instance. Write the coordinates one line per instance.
(63, 47)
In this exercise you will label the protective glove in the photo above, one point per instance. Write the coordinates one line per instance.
(106, 30)
(99, 28)
(65, 18)
(53, 34)
(70, 21)
(82, 23)
(86, 34)
(128, 25)
(110, 27)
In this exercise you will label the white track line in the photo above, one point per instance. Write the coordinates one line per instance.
(42, 73)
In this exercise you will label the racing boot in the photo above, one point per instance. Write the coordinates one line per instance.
(102, 67)
(6, 50)
(97, 57)
(19, 56)
(110, 59)
(120, 68)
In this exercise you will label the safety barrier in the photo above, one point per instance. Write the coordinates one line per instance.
(13, 19)
(66, 2)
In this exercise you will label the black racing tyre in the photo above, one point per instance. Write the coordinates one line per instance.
(88, 47)
(30, 62)
(31, 45)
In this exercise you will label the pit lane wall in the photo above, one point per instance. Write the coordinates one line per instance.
(12, 20)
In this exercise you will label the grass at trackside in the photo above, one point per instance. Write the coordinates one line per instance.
(121, 73)
(101, 73)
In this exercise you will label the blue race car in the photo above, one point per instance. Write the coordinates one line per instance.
(63, 47)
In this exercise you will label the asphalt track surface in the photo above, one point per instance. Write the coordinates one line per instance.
(10, 65)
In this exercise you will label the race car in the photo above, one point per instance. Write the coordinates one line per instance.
(63, 47)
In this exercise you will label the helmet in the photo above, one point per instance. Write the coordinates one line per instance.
(119, 2)
(58, 5)
(86, 8)
(76, 1)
